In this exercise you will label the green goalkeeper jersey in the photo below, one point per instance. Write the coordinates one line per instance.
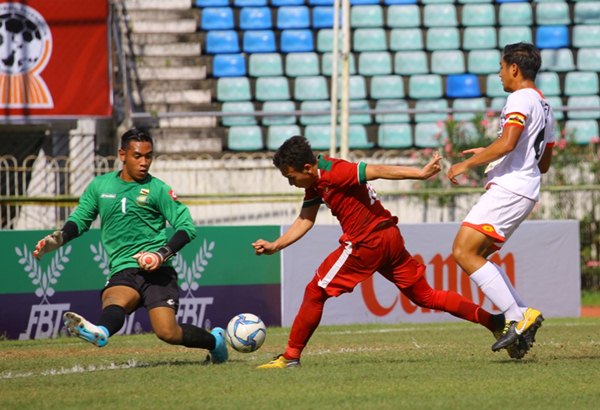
(133, 216)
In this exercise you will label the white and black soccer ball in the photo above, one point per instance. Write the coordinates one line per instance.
(246, 332)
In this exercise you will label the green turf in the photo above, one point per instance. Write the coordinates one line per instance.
(590, 298)
(412, 366)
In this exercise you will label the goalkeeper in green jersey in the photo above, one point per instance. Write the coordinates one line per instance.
(134, 207)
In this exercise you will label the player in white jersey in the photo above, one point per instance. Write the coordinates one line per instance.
(515, 162)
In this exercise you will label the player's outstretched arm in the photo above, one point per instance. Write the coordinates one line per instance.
(403, 172)
(298, 229)
(55, 240)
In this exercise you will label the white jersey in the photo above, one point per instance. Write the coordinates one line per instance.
(518, 170)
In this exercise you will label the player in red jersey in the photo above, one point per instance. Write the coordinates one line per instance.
(371, 240)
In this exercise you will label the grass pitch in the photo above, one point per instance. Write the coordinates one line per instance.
(424, 366)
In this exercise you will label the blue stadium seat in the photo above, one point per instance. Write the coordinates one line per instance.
(319, 136)
(279, 107)
(272, 89)
(557, 60)
(296, 41)
(311, 88)
(586, 35)
(389, 105)
(211, 3)
(591, 101)
(233, 89)
(519, 14)
(374, 63)
(552, 37)
(462, 86)
(245, 138)
(249, 3)
(421, 86)
(238, 107)
(442, 38)
(315, 106)
(265, 65)
(406, 39)
(477, 105)
(222, 41)
(366, 16)
(320, 2)
(447, 62)
(440, 104)
(255, 18)
(439, 15)
(229, 65)
(552, 13)
(277, 134)
(587, 12)
(302, 64)
(390, 136)
(483, 61)
(405, 16)
(293, 17)
(583, 130)
(588, 59)
(478, 15)
(283, 3)
(217, 18)
(387, 86)
(358, 2)
(322, 17)
(477, 38)
(410, 62)
(581, 83)
(259, 41)
(548, 83)
(429, 135)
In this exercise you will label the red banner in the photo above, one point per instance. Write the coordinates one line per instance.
(54, 58)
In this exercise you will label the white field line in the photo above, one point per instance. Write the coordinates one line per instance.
(130, 364)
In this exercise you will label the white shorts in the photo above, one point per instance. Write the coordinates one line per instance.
(498, 213)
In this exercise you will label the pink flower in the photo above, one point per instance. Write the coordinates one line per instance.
(485, 123)
(448, 148)
(562, 143)
(595, 140)
(593, 264)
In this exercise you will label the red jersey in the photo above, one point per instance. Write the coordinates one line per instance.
(343, 187)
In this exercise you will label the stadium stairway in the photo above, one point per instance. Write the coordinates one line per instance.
(167, 73)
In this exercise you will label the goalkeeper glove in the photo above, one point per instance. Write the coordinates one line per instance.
(48, 244)
(150, 261)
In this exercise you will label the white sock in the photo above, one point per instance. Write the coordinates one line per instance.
(491, 282)
(513, 291)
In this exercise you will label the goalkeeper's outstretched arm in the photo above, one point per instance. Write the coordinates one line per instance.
(56, 239)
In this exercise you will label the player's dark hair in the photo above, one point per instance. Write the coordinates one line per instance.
(526, 56)
(294, 152)
(133, 134)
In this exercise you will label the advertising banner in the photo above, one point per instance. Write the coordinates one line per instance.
(54, 58)
(219, 277)
(541, 259)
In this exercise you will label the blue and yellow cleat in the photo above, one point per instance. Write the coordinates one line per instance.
(219, 353)
(77, 326)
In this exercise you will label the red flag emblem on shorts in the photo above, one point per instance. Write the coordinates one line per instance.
(172, 195)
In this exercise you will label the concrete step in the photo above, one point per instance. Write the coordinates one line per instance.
(183, 26)
(172, 107)
(183, 97)
(158, 4)
(168, 61)
(185, 142)
(187, 122)
(140, 15)
(189, 49)
(163, 38)
(171, 73)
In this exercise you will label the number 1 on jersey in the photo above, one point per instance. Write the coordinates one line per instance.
(124, 205)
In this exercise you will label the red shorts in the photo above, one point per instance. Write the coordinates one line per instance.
(382, 251)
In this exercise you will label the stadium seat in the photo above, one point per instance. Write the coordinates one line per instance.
(259, 41)
(244, 138)
(233, 89)
(369, 39)
(591, 101)
(211, 3)
(558, 60)
(406, 39)
(497, 103)
(431, 105)
(324, 118)
(587, 12)
(517, 14)
(279, 107)
(272, 89)
(442, 38)
(514, 34)
(392, 2)
(390, 136)
(555, 103)
(229, 65)
(322, 17)
(296, 41)
(483, 61)
(586, 36)
(404, 16)
(319, 136)
(320, 2)
(249, 3)
(422, 86)
(462, 86)
(493, 87)
(283, 3)
(265, 65)
(235, 106)
(447, 62)
(581, 83)
(357, 137)
(429, 135)
(410, 62)
(277, 134)
(475, 104)
(374, 63)
(552, 37)
(302, 64)
(358, 118)
(439, 15)
(311, 88)
(222, 41)
(582, 130)
(552, 13)
(478, 15)
(389, 105)
(357, 89)
(327, 61)
(368, 16)
(357, 2)
(474, 1)
(325, 40)
(476, 38)
(293, 17)
(216, 18)
(255, 18)
(548, 83)
(387, 86)
(588, 59)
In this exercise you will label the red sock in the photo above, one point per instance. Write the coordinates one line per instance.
(307, 320)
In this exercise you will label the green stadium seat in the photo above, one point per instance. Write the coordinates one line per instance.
(265, 65)
(370, 15)
(324, 106)
(439, 15)
(272, 89)
(586, 36)
(238, 106)
(327, 61)
(548, 83)
(390, 136)
(493, 87)
(319, 137)
(424, 86)
(555, 103)
(311, 88)
(387, 87)
(514, 34)
(587, 12)
(301, 64)
(552, 13)
(403, 16)
(374, 63)
(277, 134)
(476, 38)
(582, 130)
(369, 39)
(406, 39)
(410, 62)
(591, 101)
(357, 137)
(357, 90)
(483, 61)
(245, 138)
(478, 15)
(558, 60)
(439, 104)
(588, 59)
(429, 135)
(476, 104)
(391, 117)
(515, 14)
(581, 83)
(497, 103)
(365, 118)
(474, 1)
(325, 40)
(233, 89)
(442, 38)
(447, 62)
(279, 107)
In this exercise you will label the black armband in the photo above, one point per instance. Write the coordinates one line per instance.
(178, 241)
(165, 252)
(69, 231)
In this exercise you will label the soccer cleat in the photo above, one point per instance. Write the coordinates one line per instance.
(77, 326)
(280, 362)
(513, 330)
(219, 353)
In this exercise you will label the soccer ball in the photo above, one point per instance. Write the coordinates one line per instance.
(246, 332)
